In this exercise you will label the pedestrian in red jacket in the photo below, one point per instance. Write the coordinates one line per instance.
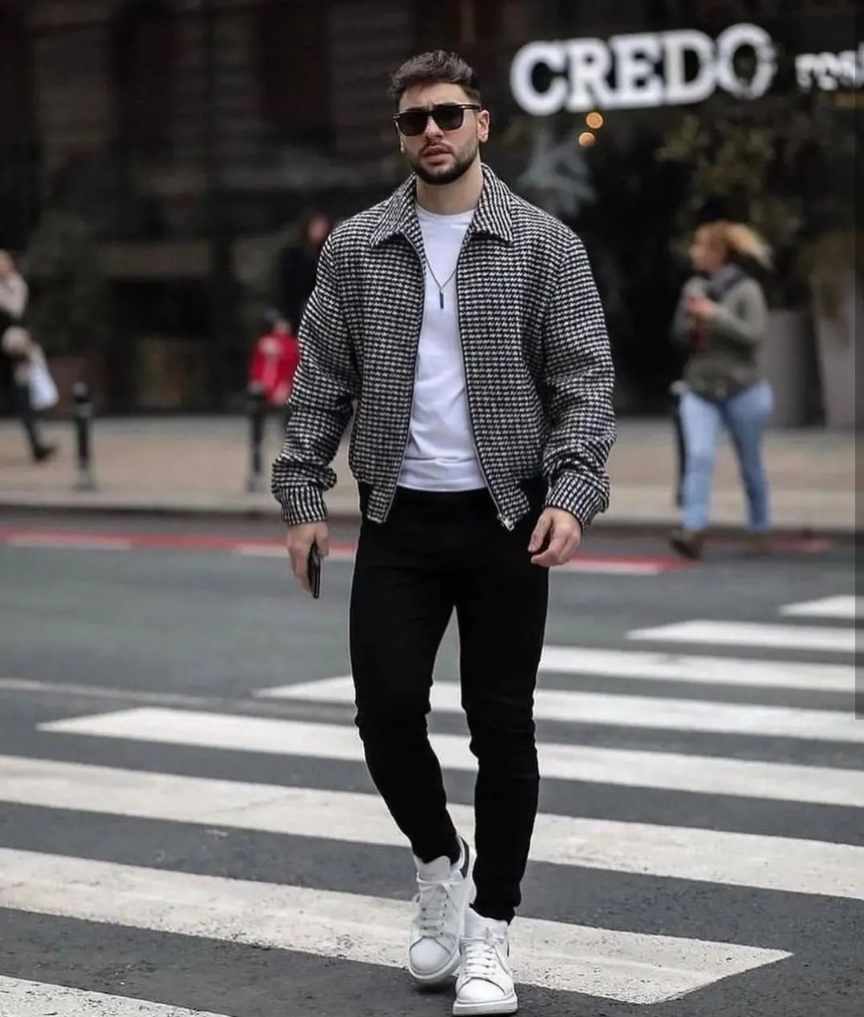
(274, 361)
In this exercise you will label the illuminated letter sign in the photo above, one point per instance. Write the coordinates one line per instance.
(550, 54)
(648, 69)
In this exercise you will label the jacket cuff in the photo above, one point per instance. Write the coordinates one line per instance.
(302, 505)
(580, 497)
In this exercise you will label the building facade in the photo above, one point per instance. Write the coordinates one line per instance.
(169, 148)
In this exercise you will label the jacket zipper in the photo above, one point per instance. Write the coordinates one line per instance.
(413, 380)
(508, 524)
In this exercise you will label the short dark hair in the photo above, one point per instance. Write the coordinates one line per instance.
(436, 66)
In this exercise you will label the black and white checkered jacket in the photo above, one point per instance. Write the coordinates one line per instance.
(538, 368)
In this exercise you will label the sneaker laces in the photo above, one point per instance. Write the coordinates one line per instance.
(480, 957)
(433, 900)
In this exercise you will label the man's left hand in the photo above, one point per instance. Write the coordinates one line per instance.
(564, 533)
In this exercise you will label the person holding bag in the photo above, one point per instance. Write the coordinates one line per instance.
(34, 387)
(721, 318)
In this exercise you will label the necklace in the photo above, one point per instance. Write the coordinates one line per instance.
(440, 285)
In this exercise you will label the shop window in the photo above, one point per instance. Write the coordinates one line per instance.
(144, 50)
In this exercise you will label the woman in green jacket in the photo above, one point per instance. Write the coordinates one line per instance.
(721, 318)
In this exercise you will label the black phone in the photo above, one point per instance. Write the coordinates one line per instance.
(313, 571)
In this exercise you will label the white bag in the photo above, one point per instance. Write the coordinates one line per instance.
(43, 391)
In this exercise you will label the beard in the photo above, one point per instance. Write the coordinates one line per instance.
(461, 162)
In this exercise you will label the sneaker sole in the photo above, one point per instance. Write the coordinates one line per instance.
(500, 1006)
(451, 967)
(439, 977)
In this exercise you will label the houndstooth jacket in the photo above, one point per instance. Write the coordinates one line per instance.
(538, 367)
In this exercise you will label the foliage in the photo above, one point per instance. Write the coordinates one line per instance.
(829, 263)
(785, 168)
(69, 309)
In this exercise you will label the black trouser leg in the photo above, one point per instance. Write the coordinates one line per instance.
(27, 416)
(501, 607)
(399, 611)
(434, 552)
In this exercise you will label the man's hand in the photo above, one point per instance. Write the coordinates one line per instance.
(565, 535)
(298, 541)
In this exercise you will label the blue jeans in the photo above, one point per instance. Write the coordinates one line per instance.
(744, 416)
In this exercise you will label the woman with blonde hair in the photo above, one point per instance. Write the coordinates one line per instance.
(721, 318)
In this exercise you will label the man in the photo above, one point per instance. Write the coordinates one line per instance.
(466, 325)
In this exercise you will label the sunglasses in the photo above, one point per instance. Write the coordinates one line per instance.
(448, 116)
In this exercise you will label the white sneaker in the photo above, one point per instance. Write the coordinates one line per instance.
(444, 892)
(484, 985)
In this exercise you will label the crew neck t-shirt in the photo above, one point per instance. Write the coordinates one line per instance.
(440, 454)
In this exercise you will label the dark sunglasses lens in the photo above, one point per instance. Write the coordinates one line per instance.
(448, 118)
(412, 124)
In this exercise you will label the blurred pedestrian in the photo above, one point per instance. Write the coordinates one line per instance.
(33, 388)
(298, 264)
(466, 324)
(274, 360)
(721, 319)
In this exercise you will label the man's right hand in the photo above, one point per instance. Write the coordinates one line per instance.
(298, 541)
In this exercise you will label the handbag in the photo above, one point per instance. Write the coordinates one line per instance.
(43, 391)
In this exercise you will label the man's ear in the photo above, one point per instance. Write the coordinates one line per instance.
(483, 125)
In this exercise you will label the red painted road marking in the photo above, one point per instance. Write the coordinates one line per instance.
(83, 540)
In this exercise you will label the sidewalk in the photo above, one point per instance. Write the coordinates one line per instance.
(200, 465)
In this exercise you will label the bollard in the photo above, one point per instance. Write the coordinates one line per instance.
(255, 403)
(677, 390)
(83, 416)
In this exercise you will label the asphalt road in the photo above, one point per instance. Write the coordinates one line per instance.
(170, 834)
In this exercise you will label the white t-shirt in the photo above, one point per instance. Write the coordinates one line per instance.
(440, 454)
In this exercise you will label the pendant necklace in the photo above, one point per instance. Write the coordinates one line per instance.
(440, 286)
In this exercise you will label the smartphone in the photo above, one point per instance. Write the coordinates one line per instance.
(313, 571)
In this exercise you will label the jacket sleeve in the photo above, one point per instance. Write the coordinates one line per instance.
(579, 379)
(746, 324)
(321, 401)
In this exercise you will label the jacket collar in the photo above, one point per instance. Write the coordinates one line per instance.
(492, 215)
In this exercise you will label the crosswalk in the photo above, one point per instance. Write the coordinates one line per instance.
(567, 953)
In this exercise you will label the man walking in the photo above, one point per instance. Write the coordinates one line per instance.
(465, 324)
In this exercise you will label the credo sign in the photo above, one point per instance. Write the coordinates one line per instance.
(649, 70)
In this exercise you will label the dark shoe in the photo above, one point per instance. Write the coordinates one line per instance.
(688, 543)
(44, 452)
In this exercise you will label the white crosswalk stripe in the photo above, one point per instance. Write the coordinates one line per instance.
(635, 711)
(625, 966)
(616, 964)
(772, 863)
(845, 607)
(669, 770)
(674, 667)
(784, 637)
(22, 998)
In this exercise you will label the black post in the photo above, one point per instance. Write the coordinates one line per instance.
(677, 390)
(257, 416)
(83, 415)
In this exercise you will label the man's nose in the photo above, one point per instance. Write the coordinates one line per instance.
(433, 131)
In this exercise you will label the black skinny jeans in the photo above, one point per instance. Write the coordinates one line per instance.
(437, 552)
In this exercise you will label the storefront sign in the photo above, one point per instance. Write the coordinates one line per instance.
(652, 69)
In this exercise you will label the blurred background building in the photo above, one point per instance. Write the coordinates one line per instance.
(157, 155)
